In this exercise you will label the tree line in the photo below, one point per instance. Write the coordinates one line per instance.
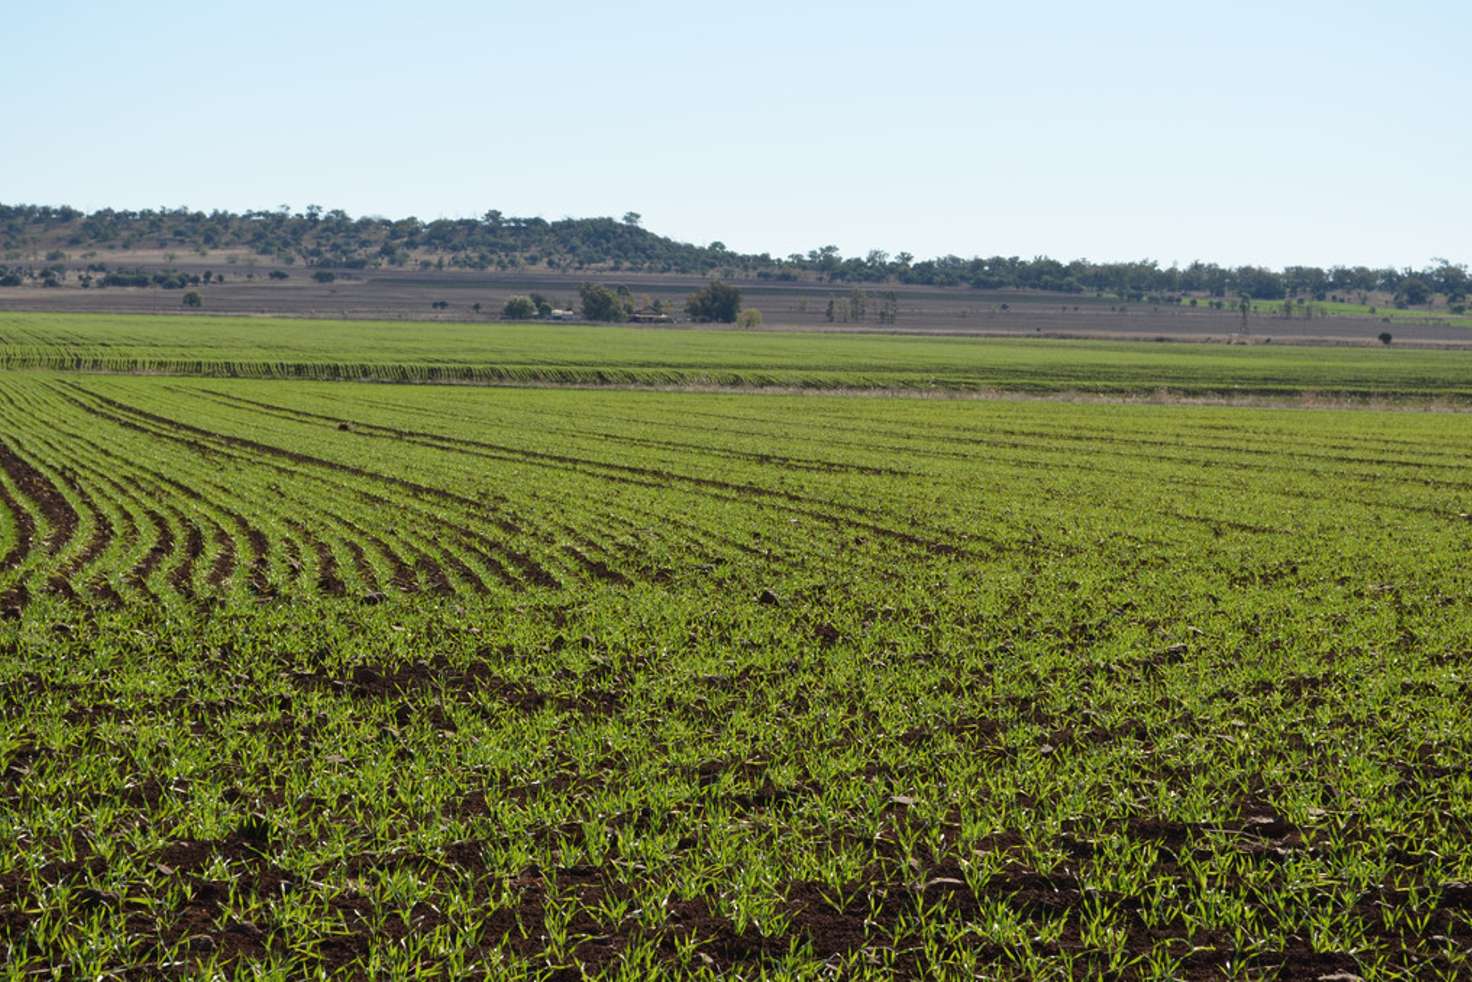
(714, 303)
(334, 239)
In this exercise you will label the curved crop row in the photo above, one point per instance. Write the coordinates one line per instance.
(146, 488)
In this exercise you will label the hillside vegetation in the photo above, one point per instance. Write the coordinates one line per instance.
(496, 241)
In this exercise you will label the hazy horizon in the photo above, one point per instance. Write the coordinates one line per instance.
(1329, 135)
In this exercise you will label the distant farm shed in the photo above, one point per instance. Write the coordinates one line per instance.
(648, 315)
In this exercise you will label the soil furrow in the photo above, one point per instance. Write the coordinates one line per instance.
(162, 548)
(224, 565)
(327, 579)
(58, 511)
(181, 577)
(102, 530)
(25, 531)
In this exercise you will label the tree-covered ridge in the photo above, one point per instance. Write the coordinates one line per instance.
(333, 238)
(496, 241)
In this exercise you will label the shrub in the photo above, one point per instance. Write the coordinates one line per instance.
(324, 276)
(750, 318)
(277, 274)
(1386, 337)
(193, 299)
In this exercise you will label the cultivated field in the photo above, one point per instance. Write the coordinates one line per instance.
(584, 355)
(408, 295)
(304, 676)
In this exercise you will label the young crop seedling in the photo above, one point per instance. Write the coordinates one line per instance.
(308, 678)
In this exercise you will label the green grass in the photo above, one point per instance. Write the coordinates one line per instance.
(399, 352)
(1331, 308)
(303, 678)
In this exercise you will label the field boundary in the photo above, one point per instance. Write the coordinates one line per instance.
(599, 380)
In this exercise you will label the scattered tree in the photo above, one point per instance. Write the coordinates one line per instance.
(1386, 337)
(317, 237)
(519, 309)
(193, 299)
(716, 302)
(889, 308)
(601, 303)
(1413, 292)
(324, 276)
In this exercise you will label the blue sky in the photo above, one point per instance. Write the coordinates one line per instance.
(1270, 133)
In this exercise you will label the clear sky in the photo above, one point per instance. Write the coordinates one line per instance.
(1300, 131)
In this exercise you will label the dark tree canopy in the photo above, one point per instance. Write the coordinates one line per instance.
(601, 303)
(1413, 292)
(716, 301)
(333, 239)
(519, 309)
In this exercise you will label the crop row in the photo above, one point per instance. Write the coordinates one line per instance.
(194, 489)
(601, 356)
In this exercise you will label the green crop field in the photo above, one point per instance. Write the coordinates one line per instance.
(305, 677)
(1385, 311)
(568, 354)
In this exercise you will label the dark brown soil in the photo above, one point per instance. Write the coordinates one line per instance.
(53, 504)
(163, 546)
(25, 531)
(419, 678)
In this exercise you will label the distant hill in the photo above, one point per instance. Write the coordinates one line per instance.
(335, 240)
